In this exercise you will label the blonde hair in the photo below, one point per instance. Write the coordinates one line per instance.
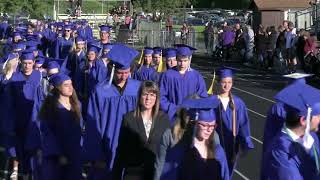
(10, 66)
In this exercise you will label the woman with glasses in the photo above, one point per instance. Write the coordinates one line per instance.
(205, 159)
(176, 142)
(140, 136)
(233, 120)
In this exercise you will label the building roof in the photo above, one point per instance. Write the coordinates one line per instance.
(281, 4)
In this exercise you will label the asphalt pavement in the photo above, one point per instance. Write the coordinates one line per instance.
(257, 88)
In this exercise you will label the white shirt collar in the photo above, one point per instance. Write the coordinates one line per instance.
(291, 134)
(307, 141)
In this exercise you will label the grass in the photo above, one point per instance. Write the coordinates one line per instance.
(198, 29)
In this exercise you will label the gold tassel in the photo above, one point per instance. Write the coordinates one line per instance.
(141, 57)
(210, 90)
(161, 66)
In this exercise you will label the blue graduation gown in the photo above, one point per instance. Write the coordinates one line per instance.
(33, 139)
(144, 73)
(274, 123)
(4, 125)
(242, 140)
(287, 160)
(174, 88)
(174, 157)
(85, 79)
(20, 96)
(62, 137)
(194, 166)
(73, 63)
(63, 47)
(105, 112)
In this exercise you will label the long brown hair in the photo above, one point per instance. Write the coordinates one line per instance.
(49, 108)
(152, 87)
(210, 144)
(183, 126)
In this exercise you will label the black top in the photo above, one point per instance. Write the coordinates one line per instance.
(136, 153)
(195, 167)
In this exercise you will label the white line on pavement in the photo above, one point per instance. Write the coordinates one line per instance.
(237, 69)
(256, 140)
(241, 175)
(254, 112)
(254, 94)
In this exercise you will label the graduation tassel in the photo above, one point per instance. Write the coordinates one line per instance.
(141, 57)
(161, 66)
(111, 76)
(210, 90)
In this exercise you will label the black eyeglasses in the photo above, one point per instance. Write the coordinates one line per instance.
(67, 30)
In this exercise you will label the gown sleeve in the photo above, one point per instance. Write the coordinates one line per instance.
(244, 128)
(221, 157)
(165, 143)
(92, 138)
(165, 104)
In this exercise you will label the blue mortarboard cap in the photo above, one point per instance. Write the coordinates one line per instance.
(58, 79)
(15, 34)
(8, 58)
(52, 63)
(33, 37)
(122, 56)
(104, 28)
(40, 60)
(27, 55)
(107, 46)
(95, 48)
(79, 39)
(201, 109)
(148, 50)
(19, 46)
(170, 52)
(32, 45)
(224, 73)
(157, 50)
(184, 50)
(67, 27)
(12, 56)
(298, 97)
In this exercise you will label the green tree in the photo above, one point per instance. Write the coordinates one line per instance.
(35, 8)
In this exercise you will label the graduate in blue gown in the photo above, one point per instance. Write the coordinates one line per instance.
(33, 140)
(61, 132)
(145, 71)
(20, 100)
(105, 50)
(294, 152)
(9, 67)
(63, 45)
(91, 72)
(76, 57)
(104, 35)
(276, 117)
(171, 57)
(178, 83)
(204, 159)
(177, 153)
(110, 100)
(233, 121)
